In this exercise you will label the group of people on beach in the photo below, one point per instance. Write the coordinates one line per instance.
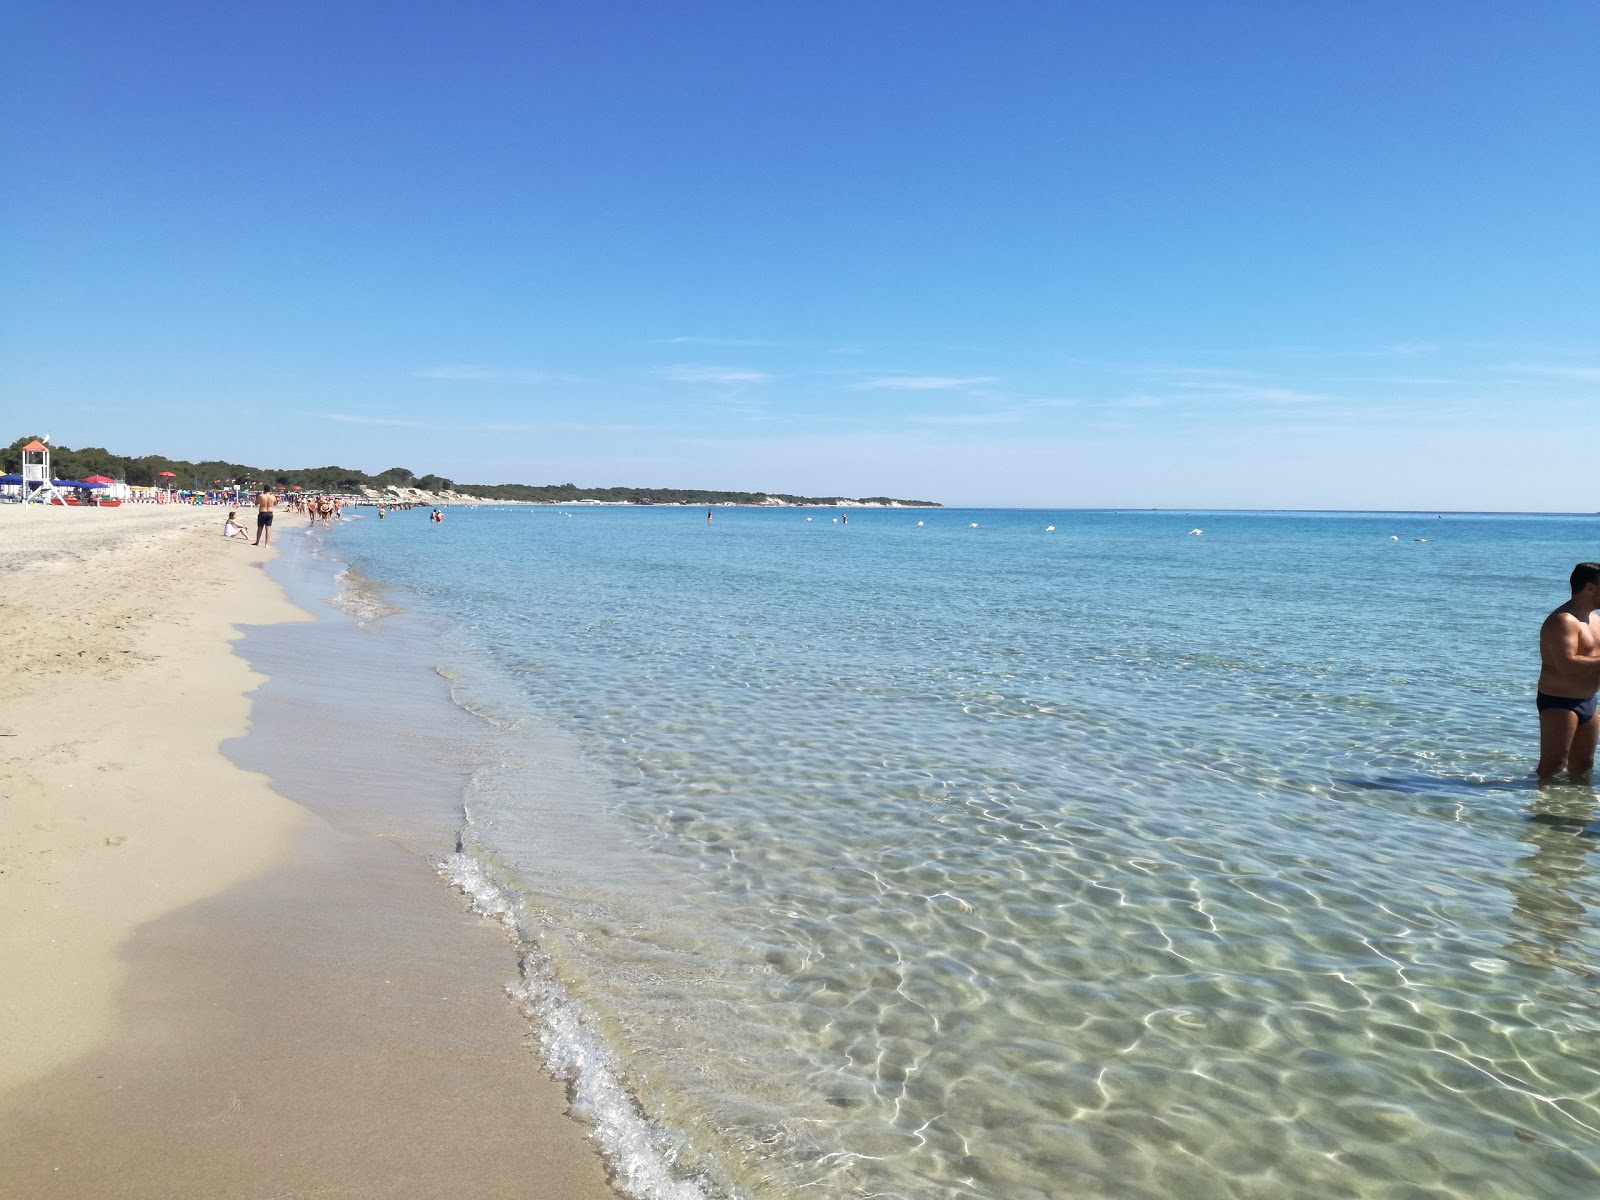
(326, 509)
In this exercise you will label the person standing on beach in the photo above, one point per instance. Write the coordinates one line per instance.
(266, 501)
(1569, 677)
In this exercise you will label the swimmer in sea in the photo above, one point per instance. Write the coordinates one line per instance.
(1569, 676)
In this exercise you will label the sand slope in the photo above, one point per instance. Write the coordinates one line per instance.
(205, 990)
(116, 806)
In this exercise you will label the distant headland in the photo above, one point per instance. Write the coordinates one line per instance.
(147, 470)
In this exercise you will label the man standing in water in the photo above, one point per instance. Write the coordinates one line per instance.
(1569, 676)
(266, 501)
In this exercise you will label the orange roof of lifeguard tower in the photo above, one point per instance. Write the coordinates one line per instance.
(36, 445)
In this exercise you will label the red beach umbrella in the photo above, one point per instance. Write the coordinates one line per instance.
(97, 479)
(165, 475)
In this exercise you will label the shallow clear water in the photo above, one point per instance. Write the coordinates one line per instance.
(888, 859)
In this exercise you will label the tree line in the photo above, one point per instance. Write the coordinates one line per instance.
(145, 471)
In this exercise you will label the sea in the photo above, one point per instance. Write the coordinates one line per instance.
(924, 853)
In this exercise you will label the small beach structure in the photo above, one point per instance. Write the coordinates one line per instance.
(37, 486)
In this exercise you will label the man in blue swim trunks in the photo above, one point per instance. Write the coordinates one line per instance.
(1569, 676)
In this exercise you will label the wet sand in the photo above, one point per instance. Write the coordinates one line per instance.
(207, 989)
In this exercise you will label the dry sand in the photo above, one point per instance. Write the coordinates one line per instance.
(205, 990)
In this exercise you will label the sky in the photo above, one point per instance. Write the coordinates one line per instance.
(1190, 255)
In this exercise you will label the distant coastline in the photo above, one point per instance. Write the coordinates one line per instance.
(400, 482)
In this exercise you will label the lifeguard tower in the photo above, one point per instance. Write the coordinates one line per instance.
(36, 485)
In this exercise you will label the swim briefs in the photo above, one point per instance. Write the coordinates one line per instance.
(263, 519)
(1583, 708)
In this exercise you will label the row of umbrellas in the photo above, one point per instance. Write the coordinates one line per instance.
(93, 482)
(100, 481)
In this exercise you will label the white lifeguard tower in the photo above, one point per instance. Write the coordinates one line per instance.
(36, 485)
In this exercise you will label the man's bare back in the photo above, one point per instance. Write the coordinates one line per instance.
(1569, 677)
(266, 501)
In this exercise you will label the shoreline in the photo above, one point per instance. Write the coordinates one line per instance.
(208, 987)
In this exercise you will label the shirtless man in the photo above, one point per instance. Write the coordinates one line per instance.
(266, 501)
(1569, 676)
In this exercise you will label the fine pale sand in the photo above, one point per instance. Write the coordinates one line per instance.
(204, 989)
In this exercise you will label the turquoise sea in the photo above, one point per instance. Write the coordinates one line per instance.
(940, 854)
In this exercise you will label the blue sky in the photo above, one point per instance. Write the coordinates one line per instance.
(1157, 254)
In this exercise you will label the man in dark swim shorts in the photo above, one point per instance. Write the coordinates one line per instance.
(265, 503)
(1569, 676)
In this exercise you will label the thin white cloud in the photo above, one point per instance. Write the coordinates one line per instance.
(692, 373)
(994, 418)
(395, 422)
(475, 373)
(922, 383)
(714, 341)
(1581, 374)
(1251, 393)
(410, 423)
(1408, 380)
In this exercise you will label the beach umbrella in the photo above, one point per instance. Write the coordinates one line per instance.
(165, 475)
(98, 479)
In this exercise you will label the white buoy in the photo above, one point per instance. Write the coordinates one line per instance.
(1049, 528)
(1394, 537)
(808, 518)
(1196, 532)
(836, 520)
(974, 525)
(919, 524)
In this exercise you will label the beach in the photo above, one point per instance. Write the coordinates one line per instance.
(207, 988)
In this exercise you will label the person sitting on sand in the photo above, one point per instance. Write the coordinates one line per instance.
(1569, 676)
(232, 529)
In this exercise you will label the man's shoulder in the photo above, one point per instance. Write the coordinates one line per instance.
(1558, 618)
(1561, 617)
